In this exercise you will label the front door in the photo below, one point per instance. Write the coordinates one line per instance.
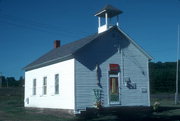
(114, 90)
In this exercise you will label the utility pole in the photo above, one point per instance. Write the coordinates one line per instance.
(177, 69)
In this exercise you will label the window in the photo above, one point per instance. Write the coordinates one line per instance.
(113, 89)
(44, 85)
(57, 84)
(113, 81)
(34, 87)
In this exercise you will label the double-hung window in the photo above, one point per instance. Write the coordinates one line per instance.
(44, 85)
(57, 84)
(34, 87)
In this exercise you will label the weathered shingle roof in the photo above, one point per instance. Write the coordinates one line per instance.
(60, 53)
(67, 51)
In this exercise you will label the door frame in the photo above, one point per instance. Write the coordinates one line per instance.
(119, 91)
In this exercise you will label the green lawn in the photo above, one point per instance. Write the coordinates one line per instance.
(165, 99)
(12, 109)
(167, 106)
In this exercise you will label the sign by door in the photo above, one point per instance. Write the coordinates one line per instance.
(114, 68)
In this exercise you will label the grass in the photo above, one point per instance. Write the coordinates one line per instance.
(172, 112)
(12, 109)
(165, 99)
(167, 108)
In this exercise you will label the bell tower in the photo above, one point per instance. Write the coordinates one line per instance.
(107, 17)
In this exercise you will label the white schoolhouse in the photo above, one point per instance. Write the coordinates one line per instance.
(105, 69)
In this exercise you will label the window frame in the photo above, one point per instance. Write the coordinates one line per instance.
(44, 90)
(56, 84)
(34, 84)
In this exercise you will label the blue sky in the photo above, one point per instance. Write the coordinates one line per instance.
(28, 28)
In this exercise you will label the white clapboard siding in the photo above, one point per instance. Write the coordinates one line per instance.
(65, 99)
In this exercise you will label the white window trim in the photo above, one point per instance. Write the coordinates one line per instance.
(55, 84)
(34, 88)
(43, 86)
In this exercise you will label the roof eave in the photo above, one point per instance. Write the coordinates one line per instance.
(47, 62)
(97, 14)
(140, 48)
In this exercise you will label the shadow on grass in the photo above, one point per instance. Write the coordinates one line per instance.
(165, 108)
(12, 109)
(128, 114)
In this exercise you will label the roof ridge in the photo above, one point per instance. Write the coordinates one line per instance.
(65, 51)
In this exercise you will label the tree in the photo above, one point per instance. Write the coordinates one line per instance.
(162, 76)
(21, 81)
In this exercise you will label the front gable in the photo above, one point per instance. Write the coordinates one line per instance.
(115, 48)
(105, 46)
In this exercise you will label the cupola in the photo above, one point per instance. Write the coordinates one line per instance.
(107, 17)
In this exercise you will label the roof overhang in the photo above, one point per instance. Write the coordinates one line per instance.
(46, 63)
(135, 44)
(110, 10)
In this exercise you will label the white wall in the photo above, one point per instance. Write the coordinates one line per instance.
(65, 98)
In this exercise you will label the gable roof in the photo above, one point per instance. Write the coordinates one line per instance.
(61, 53)
(135, 44)
(67, 51)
